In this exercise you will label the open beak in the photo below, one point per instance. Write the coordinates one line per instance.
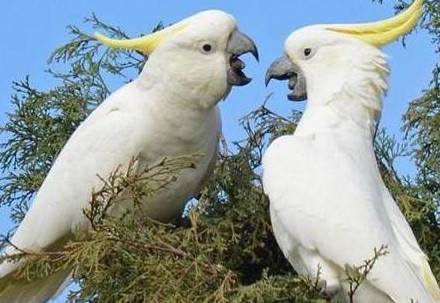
(238, 45)
(284, 69)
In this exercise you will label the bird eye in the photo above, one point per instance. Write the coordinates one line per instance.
(207, 48)
(307, 52)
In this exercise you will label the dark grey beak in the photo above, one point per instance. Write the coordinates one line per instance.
(238, 45)
(284, 69)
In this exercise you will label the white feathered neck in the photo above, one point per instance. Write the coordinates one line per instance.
(350, 91)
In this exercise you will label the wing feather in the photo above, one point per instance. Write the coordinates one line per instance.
(329, 198)
(108, 138)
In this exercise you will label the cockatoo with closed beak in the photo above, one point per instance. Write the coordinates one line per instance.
(169, 110)
(329, 206)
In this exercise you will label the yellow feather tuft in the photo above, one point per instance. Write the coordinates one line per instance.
(145, 44)
(383, 32)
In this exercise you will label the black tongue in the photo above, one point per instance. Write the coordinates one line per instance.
(237, 64)
(292, 82)
(297, 84)
(236, 76)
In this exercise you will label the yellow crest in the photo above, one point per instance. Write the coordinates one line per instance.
(383, 32)
(145, 44)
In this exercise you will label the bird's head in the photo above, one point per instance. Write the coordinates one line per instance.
(200, 54)
(320, 60)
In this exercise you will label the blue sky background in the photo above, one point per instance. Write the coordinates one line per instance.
(31, 29)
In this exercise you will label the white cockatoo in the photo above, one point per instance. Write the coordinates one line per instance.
(329, 206)
(169, 110)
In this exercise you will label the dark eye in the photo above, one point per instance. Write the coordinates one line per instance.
(207, 48)
(307, 51)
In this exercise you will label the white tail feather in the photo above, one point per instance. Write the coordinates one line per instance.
(38, 291)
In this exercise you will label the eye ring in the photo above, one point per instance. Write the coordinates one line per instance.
(207, 48)
(307, 52)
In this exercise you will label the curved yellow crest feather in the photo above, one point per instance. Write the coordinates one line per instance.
(145, 44)
(383, 32)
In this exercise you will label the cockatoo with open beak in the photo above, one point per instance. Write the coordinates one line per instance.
(169, 110)
(328, 203)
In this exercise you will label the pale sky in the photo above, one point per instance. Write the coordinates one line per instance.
(31, 29)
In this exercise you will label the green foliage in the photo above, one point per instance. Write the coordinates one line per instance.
(227, 253)
(37, 130)
(421, 126)
(419, 197)
(43, 121)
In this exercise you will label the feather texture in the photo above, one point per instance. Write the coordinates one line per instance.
(170, 110)
(329, 206)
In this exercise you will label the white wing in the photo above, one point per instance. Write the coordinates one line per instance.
(109, 137)
(327, 199)
(409, 248)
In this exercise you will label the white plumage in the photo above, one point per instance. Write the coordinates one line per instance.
(329, 206)
(169, 110)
